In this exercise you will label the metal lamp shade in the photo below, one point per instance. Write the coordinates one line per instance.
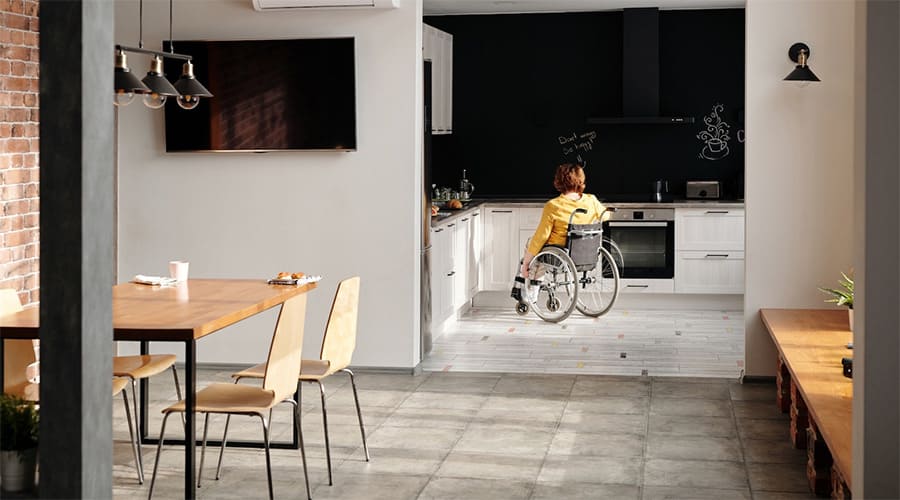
(187, 85)
(190, 86)
(802, 74)
(159, 85)
(128, 83)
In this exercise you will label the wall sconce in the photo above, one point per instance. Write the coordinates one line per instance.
(799, 53)
(155, 87)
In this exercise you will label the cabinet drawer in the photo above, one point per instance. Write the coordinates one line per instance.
(646, 286)
(709, 272)
(529, 218)
(709, 229)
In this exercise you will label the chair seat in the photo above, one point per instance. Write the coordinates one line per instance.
(310, 369)
(119, 384)
(230, 398)
(143, 366)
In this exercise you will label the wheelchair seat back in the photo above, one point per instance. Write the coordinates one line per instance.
(583, 243)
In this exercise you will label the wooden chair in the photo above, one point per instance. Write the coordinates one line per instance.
(338, 345)
(279, 384)
(18, 354)
(134, 368)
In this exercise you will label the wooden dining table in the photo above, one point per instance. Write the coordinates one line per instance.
(184, 313)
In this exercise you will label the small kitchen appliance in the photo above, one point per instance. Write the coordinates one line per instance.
(700, 190)
(660, 190)
(466, 188)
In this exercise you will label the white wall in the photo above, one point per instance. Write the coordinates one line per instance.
(252, 215)
(799, 161)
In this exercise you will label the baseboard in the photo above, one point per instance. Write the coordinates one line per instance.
(758, 379)
(236, 367)
(663, 301)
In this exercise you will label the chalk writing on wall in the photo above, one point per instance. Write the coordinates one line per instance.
(715, 135)
(577, 143)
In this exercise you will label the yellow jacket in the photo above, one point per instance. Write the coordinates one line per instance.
(555, 220)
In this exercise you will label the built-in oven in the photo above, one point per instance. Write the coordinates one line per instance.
(646, 240)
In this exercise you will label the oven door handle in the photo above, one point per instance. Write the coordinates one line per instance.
(638, 224)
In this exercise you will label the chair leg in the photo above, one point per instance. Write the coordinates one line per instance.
(362, 429)
(203, 448)
(178, 394)
(140, 457)
(302, 448)
(268, 458)
(222, 450)
(162, 434)
(325, 425)
(134, 445)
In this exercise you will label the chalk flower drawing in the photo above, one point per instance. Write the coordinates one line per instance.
(715, 138)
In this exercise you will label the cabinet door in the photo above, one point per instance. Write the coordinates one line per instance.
(474, 248)
(440, 260)
(709, 229)
(501, 239)
(709, 272)
(460, 262)
(447, 62)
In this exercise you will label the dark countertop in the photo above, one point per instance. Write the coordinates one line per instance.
(446, 216)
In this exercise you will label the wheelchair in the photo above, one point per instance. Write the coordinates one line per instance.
(582, 275)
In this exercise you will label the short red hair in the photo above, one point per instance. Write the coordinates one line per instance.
(569, 177)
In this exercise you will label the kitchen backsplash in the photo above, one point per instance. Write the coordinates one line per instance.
(525, 85)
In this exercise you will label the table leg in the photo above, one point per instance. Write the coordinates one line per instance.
(144, 397)
(190, 438)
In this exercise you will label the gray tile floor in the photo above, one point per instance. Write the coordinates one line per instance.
(497, 436)
(679, 343)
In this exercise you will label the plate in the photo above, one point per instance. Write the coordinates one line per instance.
(291, 281)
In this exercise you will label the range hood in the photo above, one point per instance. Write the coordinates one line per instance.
(640, 72)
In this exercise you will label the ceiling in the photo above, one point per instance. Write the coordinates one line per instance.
(451, 7)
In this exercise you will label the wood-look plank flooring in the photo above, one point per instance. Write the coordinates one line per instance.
(623, 342)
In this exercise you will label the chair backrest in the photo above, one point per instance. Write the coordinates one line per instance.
(17, 354)
(339, 341)
(583, 242)
(285, 352)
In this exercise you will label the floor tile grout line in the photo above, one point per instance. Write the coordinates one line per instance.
(641, 485)
(553, 437)
(740, 439)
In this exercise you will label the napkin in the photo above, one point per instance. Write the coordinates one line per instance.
(153, 280)
(299, 281)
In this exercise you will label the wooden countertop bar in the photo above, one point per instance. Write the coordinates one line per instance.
(812, 342)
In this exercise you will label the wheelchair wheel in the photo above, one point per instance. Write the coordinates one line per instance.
(598, 288)
(551, 286)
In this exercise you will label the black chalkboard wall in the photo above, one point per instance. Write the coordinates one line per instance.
(523, 84)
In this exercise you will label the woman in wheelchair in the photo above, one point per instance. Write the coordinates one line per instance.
(564, 264)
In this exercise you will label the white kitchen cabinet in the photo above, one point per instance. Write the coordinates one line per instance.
(709, 250)
(460, 257)
(709, 229)
(441, 277)
(474, 250)
(501, 248)
(710, 272)
(438, 48)
(638, 285)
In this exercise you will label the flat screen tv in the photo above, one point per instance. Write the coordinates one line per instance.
(268, 95)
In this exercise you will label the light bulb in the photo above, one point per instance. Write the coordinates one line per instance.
(154, 100)
(123, 98)
(188, 101)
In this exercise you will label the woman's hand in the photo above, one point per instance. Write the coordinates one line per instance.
(526, 259)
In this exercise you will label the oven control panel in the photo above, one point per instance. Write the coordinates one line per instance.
(645, 214)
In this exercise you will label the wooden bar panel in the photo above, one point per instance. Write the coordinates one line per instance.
(819, 462)
(811, 343)
(782, 386)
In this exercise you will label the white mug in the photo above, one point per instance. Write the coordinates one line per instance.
(178, 269)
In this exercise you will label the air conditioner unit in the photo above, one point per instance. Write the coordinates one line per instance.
(324, 4)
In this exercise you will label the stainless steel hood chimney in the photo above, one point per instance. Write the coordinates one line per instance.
(640, 72)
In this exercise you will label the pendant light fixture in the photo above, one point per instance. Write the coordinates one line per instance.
(189, 89)
(155, 88)
(126, 84)
(799, 53)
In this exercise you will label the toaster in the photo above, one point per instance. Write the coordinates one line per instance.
(703, 190)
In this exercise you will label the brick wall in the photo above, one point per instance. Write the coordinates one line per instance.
(19, 147)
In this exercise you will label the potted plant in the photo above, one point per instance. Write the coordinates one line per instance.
(18, 443)
(843, 295)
